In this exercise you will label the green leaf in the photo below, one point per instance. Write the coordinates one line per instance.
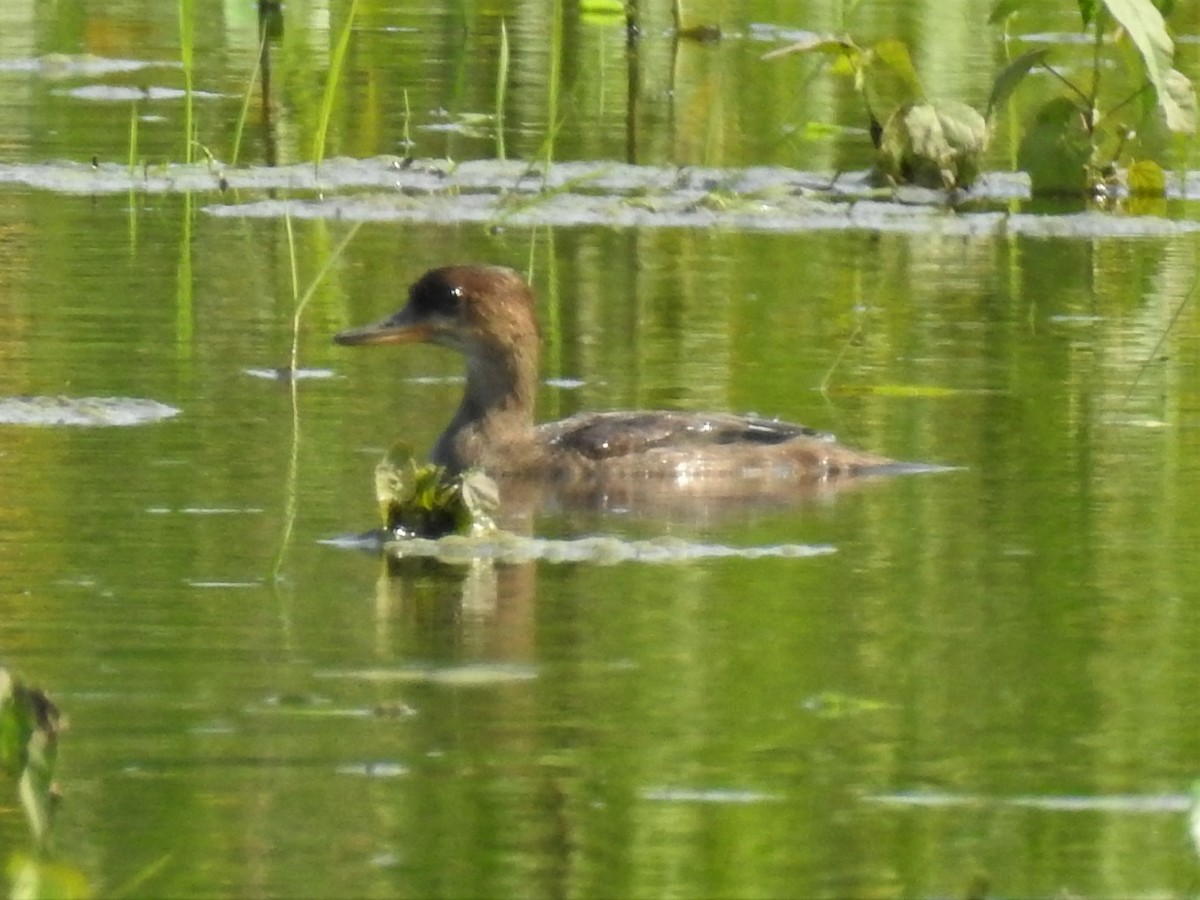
(1182, 96)
(1147, 179)
(1145, 26)
(889, 79)
(1057, 150)
(425, 501)
(829, 46)
(934, 145)
(1012, 75)
(821, 131)
(1087, 11)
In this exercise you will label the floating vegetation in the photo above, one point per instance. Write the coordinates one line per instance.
(472, 675)
(85, 411)
(1143, 804)
(501, 546)
(613, 195)
(427, 502)
(107, 93)
(708, 795)
(62, 65)
(287, 373)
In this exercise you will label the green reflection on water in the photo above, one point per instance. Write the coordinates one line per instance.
(1024, 628)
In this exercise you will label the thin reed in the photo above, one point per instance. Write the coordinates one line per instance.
(501, 89)
(331, 82)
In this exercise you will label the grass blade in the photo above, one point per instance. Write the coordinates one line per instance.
(331, 82)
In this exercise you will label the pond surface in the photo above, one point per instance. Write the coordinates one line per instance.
(979, 679)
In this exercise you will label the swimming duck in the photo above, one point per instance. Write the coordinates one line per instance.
(487, 314)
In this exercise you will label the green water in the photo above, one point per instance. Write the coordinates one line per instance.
(991, 677)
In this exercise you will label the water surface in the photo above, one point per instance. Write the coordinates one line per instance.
(971, 684)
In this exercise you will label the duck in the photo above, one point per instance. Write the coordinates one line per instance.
(487, 313)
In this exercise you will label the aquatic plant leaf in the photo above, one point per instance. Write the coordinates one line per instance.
(425, 501)
(1146, 178)
(391, 482)
(481, 497)
(889, 80)
(934, 145)
(602, 8)
(1002, 9)
(1012, 75)
(29, 728)
(1057, 151)
(830, 46)
(1147, 29)
(821, 131)
(1182, 95)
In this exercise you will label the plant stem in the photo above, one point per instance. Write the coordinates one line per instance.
(1070, 86)
(501, 89)
(408, 141)
(133, 137)
(241, 122)
(331, 82)
(187, 38)
(289, 520)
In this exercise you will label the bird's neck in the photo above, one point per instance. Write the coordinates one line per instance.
(496, 412)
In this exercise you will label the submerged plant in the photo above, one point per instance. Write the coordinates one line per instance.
(426, 501)
(935, 144)
(1078, 137)
(29, 729)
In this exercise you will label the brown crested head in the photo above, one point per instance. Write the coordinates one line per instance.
(477, 310)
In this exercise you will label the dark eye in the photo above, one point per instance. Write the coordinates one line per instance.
(435, 295)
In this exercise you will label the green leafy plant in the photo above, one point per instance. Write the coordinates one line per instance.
(1078, 137)
(426, 501)
(931, 143)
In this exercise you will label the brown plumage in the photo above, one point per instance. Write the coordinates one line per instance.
(487, 314)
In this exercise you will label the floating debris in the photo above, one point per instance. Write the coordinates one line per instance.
(707, 795)
(476, 675)
(1110, 803)
(374, 769)
(62, 65)
(107, 93)
(506, 547)
(84, 411)
(287, 373)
